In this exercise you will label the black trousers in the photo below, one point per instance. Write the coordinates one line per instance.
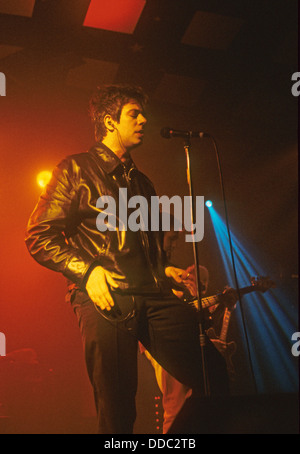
(168, 328)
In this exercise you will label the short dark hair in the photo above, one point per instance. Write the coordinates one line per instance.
(110, 100)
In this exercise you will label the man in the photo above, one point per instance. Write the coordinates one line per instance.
(110, 269)
(174, 393)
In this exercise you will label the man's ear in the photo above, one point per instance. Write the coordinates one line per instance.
(109, 123)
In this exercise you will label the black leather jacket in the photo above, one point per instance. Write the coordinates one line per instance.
(62, 234)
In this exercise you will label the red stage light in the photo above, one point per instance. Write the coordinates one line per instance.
(114, 15)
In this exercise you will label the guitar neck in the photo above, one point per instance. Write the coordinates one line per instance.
(210, 301)
(215, 299)
(225, 325)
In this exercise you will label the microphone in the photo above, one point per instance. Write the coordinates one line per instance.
(168, 133)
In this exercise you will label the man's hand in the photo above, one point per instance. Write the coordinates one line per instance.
(98, 289)
(230, 297)
(184, 278)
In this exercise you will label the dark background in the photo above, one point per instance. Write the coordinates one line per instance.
(220, 67)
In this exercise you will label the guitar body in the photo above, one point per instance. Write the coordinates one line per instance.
(123, 310)
(227, 350)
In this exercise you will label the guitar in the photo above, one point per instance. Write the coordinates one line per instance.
(227, 349)
(124, 309)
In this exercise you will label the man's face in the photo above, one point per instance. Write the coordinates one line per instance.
(131, 125)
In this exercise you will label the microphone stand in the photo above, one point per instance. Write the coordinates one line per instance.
(200, 309)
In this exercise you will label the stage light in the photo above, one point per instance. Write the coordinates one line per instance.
(43, 178)
(17, 8)
(209, 203)
(269, 317)
(114, 15)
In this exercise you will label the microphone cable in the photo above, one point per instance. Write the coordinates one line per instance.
(232, 257)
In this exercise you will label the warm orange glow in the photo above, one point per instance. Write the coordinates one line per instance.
(115, 15)
(43, 178)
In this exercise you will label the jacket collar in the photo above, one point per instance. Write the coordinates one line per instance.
(109, 160)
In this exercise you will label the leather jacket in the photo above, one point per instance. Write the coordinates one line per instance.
(62, 234)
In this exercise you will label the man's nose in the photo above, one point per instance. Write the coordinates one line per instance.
(141, 119)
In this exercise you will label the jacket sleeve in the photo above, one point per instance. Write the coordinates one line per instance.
(55, 213)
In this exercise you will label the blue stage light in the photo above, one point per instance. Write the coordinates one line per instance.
(209, 204)
(270, 318)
